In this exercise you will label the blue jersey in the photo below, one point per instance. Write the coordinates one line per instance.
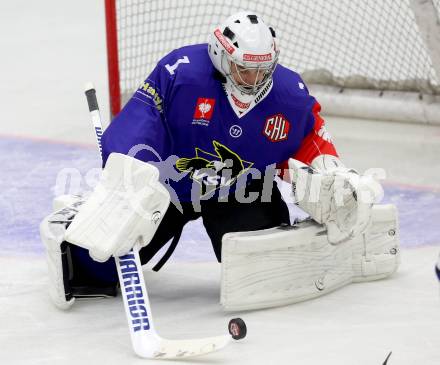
(181, 115)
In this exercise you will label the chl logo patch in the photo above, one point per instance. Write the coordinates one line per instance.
(204, 110)
(276, 128)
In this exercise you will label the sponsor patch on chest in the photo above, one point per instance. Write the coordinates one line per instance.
(276, 128)
(203, 111)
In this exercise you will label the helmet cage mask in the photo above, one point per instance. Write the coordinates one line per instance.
(244, 44)
(262, 72)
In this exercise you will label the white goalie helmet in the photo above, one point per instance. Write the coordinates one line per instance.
(243, 49)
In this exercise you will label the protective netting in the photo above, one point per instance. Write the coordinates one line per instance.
(348, 43)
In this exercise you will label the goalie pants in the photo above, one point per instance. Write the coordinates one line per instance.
(219, 217)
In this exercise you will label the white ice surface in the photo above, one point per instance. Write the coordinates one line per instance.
(358, 324)
(49, 49)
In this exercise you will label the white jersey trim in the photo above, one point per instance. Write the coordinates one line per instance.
(242, 104)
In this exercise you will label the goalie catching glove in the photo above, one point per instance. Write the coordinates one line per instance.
(125, 208)
(334, 196)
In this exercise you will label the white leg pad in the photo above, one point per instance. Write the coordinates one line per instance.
(376, 254)
(67, 200)
(52, 230)
(52, 237)
(286, 265)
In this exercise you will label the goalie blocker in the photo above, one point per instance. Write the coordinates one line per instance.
(66, 280)
(125, 208)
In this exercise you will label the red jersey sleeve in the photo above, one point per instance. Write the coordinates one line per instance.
(317, 142)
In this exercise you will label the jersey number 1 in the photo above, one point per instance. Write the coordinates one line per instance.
(172, 68)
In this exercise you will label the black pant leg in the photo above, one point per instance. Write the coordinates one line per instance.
(232, 216)
(171, 225)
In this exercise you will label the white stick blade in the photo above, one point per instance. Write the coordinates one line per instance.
(176, 349)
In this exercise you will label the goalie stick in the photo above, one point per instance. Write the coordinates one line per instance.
(145, 340)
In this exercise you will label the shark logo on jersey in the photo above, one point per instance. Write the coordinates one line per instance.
(214, 171)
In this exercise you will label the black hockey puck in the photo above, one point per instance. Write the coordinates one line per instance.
(237, 328)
